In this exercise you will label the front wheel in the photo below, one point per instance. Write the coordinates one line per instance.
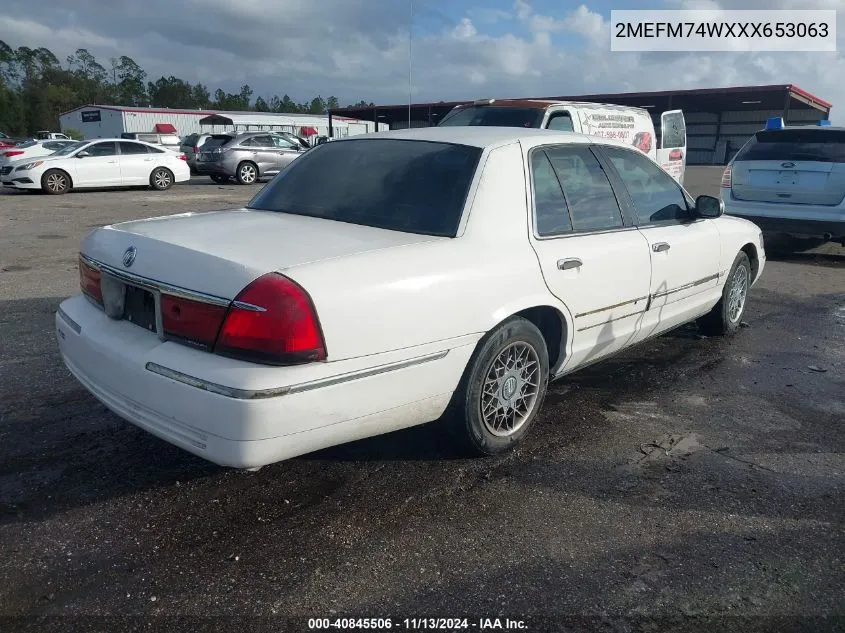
(161, 179)
(55, 182)
(726, 315)
(503, 387)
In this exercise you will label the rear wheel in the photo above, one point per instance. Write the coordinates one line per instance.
(220, 179)
(161, 179)
(726, 315)
(503, 387)
(55, 182)
(247, 173)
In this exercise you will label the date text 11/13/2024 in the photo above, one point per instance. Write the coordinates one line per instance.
(414, 624)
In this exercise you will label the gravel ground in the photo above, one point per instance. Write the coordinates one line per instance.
(688, 484)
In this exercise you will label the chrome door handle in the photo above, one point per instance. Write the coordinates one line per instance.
(659, 247)
(569, 263)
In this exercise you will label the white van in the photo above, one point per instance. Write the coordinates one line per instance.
(633, 125)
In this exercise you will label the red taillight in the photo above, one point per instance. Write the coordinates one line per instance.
(272, 320)
(726, 177)
(89, 281)
(191, 320)
(15, 153)
(182, 157)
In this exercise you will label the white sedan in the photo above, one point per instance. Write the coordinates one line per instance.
(31, 149)
(440, 273)
(99, 163)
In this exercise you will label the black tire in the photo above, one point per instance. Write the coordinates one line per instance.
(55, 182)
(220, 179)
(161, 179)
(247, 173)
(723, 318)
(466, 410)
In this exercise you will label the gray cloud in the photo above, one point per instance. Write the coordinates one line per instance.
(358, 49)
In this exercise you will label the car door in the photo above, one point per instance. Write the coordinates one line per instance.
(136, 163)
(97, 165)
(672, 153)
(265, 154)
(592, 256)
(286, 151)
(685, 250)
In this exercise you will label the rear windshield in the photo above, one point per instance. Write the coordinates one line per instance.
(190, 139)
(825, 146)
(400, 185)
(495, 116)
(27, 144)
(216, 140)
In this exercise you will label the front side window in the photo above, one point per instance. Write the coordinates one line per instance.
(283, 143)
(655, 194)
(399, 185)
(102, 149)
(589, 196)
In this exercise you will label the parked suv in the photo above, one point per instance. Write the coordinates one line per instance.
(246, 157)
(167, 141)
(790, 181)
(190, 147)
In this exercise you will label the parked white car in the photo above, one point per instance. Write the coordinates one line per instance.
(31, 149)
(443, 271)
(790, 181)
(99, 163)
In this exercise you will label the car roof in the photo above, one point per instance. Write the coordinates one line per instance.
(485, 136)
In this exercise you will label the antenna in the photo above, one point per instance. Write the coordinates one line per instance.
(410, 40)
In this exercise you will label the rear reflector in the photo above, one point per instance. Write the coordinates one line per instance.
(193, 321)
(272, 321)
(726, 177)
(89, 282)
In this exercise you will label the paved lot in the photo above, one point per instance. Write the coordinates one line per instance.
(685, 480)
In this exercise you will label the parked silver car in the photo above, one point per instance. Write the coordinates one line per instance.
(191, 148)
(246, 157)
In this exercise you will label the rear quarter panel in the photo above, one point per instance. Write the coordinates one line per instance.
(411, 295)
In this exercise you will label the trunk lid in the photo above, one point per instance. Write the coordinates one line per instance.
(789, 182)
(218, 253)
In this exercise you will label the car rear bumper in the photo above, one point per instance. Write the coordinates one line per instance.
(245, 415)
(791, 219)
(803, 228)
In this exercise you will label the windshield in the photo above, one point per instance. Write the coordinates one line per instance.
(400, 185)
(69, 149)
(825, 146)
(493, 116)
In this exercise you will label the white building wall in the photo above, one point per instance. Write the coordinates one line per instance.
(146, 121)
(110, 124)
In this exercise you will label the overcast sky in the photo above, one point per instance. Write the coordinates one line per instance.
(358, 49)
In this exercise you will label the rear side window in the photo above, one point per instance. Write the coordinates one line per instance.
(496, 116)
(824, 146)
(549, 204)
(216, 141)
(589, 196)
(132, 148)
(400, 185)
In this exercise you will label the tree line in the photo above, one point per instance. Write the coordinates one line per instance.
(35, 87)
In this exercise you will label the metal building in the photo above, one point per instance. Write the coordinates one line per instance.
(110, 121)
(719, 120)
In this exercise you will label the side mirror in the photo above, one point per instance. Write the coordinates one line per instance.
(709, 207)
(82, 154)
